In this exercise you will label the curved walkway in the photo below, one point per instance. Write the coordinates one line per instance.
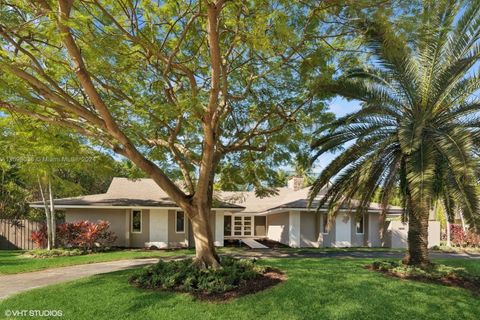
(16, 283)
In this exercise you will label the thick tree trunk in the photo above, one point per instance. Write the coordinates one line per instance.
(205, 254)
(417, 236)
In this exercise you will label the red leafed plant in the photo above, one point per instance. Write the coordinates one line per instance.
(39, 237)
(83, 234)
(463, 238)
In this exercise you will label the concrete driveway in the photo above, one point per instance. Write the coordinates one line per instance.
(16, 283)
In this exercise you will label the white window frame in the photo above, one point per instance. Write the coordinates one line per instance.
(242, 226)
(131, 221)
(184, 223)
(324, 226)
(363, 225)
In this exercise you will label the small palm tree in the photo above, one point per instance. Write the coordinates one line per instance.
(418, 130)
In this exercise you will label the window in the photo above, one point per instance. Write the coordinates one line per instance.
(247, 226)
(324, 223)
(237, 226)
(136, 221)
(180, 222)
(359, 224)
(227, 226)
(260, 224)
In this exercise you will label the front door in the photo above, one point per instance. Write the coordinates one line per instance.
(242, 226)
(343, 230)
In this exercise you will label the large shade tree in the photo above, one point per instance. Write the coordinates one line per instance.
(178, 87)
(418, 128)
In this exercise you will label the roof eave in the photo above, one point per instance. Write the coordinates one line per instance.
(281, 210)
(59, 206)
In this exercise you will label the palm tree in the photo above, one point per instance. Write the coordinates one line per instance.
(418, 130)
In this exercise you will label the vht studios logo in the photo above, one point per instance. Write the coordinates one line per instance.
(33, 313)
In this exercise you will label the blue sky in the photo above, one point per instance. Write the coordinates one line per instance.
(339, 107)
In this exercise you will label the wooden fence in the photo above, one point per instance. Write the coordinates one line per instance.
(16, 234)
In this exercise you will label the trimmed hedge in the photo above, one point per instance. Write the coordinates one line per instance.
(433, 272)
(43, 253)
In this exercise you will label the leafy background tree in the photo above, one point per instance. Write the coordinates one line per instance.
(32, 150)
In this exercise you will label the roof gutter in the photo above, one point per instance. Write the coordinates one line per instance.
(281, 210)
(127, 207)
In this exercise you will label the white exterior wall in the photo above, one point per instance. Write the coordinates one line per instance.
(158, 228)
(294, 230)
(373, 239)
(343, 230)
(219, 215)
(398, 234)
(278, 227)
(433, 233)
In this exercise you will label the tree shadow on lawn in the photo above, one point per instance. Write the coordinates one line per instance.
(341, 288)
(316, 289)
(335, 288)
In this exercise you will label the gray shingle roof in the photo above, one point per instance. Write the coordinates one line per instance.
(146, 193)
(129, 193)
(285, 199)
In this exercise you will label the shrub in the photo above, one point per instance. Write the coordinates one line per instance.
(42, 253)
(433, 271)
(436, 273)
(185, 275)
(85, 235)
(39, 237)
(461, 238)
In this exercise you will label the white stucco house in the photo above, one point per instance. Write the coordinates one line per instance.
(142, 215)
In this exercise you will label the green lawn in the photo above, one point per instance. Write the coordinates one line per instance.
(15, 262)
(317, 289)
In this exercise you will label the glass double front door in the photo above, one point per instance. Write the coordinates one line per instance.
(242, 226)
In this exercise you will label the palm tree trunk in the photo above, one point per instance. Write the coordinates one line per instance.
(417, 236)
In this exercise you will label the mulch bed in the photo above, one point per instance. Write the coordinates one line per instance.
(450, 280)
(271, 277)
